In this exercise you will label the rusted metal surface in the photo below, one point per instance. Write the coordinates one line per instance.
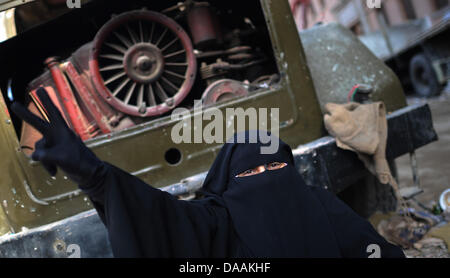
(80, 61)
(76, 118)
(338, 61)
(217, 53)
(144, 62)
(203, 25)
(79, 236)
(87, 97)
(223, 90)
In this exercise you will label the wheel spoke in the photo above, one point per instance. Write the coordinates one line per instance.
(151, 33)
(121, 38)
(114, 77)
(177, 64)
(121, 86)
(162, 36)
(140, 99)
(161, 93)
(174, 53)
(112, 67)
(170, 84)
(116, 47)
(174, 74)
(132, 35)
(112, 57)
(151, 96)
(129, 94)
(169, 44)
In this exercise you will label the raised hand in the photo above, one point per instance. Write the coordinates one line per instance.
(60, 146)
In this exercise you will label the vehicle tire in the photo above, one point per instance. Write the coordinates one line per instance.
(423, 77)
(369, 195)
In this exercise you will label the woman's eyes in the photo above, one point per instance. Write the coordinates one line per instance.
(275, 166)
(247, 173)
(260, 169)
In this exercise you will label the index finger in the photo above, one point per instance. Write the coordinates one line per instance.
(53, 112)
(29, 117)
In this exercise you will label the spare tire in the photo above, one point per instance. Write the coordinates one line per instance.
(423, 76)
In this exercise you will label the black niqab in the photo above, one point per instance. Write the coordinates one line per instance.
(274, 212)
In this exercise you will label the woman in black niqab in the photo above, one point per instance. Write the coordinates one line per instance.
(271, 214)
(275, 214)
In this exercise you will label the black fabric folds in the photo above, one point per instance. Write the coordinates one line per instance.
(146, 222)
(273, 214)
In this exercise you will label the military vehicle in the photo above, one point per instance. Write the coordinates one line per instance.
(417, 51)
(118, 69)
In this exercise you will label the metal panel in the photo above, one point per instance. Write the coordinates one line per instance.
(79, 236)
(8, 4)
(338, 61)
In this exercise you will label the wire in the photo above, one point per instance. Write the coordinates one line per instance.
(351, 94)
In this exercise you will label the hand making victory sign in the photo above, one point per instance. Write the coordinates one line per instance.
(60, 146)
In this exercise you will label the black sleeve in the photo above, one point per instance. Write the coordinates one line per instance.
(354, 233)
(146, 222)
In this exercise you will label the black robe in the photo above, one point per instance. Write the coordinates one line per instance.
(146, 222)
(273, 214)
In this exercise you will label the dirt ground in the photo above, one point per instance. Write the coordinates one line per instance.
(433, 159)
(433, 162)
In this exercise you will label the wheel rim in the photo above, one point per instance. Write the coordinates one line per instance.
(143, 63)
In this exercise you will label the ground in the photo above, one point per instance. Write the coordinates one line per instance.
(432, 159)
(434, 166)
